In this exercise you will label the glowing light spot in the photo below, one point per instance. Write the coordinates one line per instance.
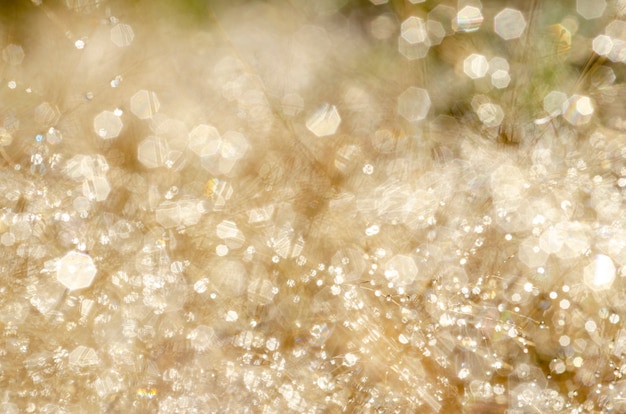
(509, 24)
(590, 9)
(475, 66)
(324, 121)
(414, 104)
(468, 19)
(147, 393)
(578, 110)
(600, 273)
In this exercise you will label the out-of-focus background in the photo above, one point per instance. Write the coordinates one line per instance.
(312, 206)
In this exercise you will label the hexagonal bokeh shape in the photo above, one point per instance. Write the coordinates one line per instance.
(122, 35)
(153, 152)
(468, 19)
(76, 270)
(509, 24)
(413, 30)
(234, 145)
(591, 9)
(475, 66)
(202, 338)
(500, 79)
(107, 125)
(553, 102)
(414, 104)
(205, 140)
(578, 110)
(616, 30)
(490, 114)
(436, 32)
(144, 104)
(444, 15)
(602, 45)
(618, 51)
(325, 121)
(552, 239)
(498, 63)
(54, 136)
(401, 270)
(600, 273)
(168, 214)
(83, 356)
(96, 188)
